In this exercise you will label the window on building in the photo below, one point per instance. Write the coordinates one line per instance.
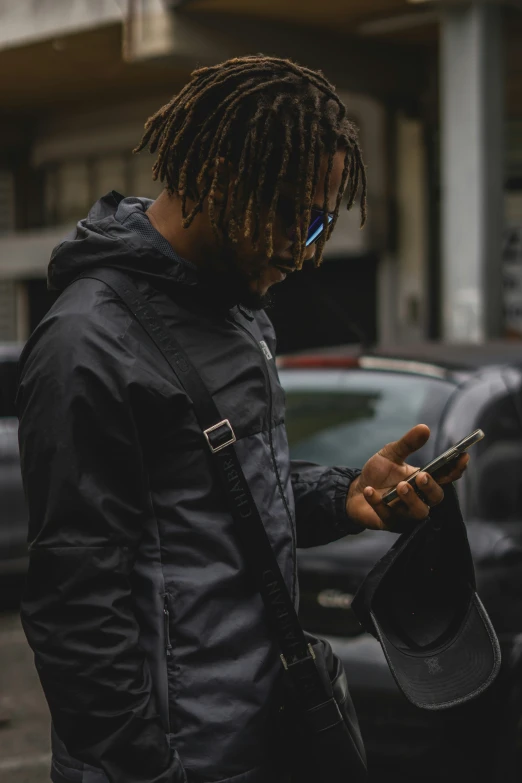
(8, 326)
(72, 187)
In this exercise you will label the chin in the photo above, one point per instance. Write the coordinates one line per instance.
(255, 300)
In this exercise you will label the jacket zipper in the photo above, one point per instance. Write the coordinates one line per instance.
(272, 453)
(166, 626)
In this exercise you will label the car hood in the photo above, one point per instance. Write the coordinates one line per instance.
(491, 544)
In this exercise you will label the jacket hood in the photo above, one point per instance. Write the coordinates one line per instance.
(101, 240)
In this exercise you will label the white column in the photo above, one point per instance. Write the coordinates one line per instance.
(411, 229)
(472, 171)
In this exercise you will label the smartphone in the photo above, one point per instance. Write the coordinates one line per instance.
(439, 462)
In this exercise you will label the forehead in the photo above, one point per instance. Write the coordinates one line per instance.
(288, 189)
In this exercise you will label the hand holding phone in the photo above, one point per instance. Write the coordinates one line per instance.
(440, 462)
(389, 467)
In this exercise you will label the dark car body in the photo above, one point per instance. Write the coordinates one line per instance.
(13, 508)
(342, 405)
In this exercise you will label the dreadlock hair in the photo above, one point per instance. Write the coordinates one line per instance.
(271, 119)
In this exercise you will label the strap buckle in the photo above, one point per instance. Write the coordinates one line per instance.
(285, 663)
(232, 436)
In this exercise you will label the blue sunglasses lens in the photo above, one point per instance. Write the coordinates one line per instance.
(316, 228)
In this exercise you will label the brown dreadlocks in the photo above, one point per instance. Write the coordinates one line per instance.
(272, 120)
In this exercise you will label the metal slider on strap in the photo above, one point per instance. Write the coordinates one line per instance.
(213, 429)
(285, 664)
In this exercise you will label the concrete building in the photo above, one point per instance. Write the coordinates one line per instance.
(433, 86)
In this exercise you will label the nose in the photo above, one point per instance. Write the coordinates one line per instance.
(308, 254)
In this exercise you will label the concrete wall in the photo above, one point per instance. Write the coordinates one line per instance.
(25, 21)
(348, 239)
(85, 152)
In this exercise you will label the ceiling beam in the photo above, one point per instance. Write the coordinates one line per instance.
(381, 69)
(516, 3)
(398, 23)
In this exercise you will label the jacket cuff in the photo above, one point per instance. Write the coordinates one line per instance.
(342, 485)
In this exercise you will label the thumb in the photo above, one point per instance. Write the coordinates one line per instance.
(399, 450)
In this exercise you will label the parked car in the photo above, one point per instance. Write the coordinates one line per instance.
(342, 406)
(13, 508)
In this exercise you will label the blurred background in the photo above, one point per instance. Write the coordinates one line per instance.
(435, 87)
(425, 302)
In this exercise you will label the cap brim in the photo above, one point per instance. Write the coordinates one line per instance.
(453, 673)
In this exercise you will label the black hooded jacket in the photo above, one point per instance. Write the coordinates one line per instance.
(150, 643)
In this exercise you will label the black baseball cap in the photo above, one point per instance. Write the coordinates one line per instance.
(420, 602)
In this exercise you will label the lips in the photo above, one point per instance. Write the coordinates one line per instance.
(283, 270)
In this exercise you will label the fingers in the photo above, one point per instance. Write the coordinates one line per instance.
(415, 507)
(397, 451)
(420, 495)
(373, 497)
(429, 490)
(414, 501)
(457, 469)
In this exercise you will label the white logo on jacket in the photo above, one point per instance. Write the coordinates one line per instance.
(266, 349)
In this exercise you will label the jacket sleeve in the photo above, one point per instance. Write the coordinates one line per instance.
(319, 492)
(86, 488)
(320, 503)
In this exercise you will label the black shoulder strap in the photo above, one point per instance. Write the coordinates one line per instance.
(297, 654)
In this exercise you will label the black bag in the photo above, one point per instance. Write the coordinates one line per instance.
(321, 740)
(317, 749)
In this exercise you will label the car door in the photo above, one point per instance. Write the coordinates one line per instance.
(490, 400)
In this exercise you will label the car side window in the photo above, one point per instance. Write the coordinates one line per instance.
(348, 420)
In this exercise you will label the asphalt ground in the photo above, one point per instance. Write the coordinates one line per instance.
(24, 717)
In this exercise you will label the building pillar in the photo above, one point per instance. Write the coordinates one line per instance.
(472, 144)
(412, 230)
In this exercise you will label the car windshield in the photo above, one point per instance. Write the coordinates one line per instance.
(343, 417)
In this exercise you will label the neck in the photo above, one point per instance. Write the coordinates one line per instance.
(196, 244)
(166, 216)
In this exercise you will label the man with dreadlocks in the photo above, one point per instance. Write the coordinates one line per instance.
(150, 641)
